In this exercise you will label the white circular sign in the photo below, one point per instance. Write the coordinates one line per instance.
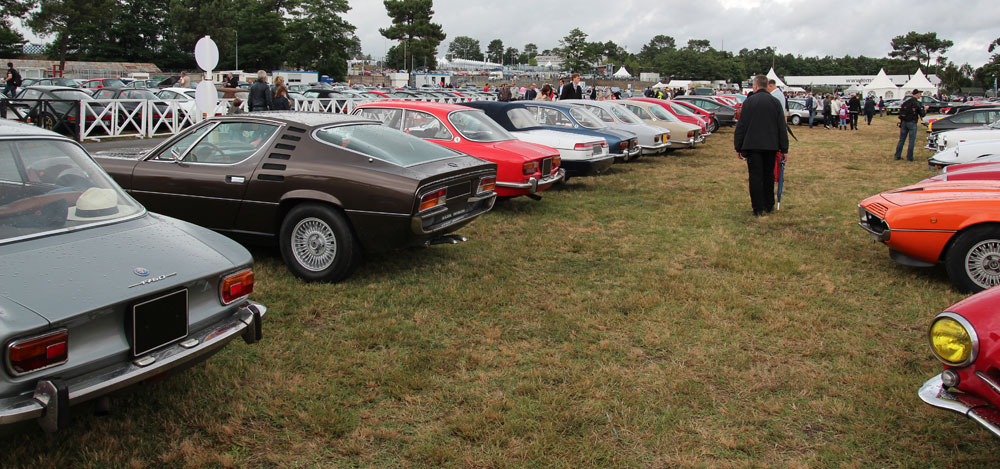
(206, 53)
(206, 96)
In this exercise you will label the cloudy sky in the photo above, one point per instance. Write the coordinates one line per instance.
(803, 27)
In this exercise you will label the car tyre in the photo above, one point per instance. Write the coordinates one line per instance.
(973, 260)
(796, 120)
(317, 243)
(48, 121)
(713, 126)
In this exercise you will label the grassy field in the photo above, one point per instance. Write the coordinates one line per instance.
(639, 319)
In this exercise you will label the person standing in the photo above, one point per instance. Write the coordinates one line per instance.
(280, 101)
(835, 104)
(260, 94)
(545, 94)
(531, 94)
(572, 90)
(812, 112)
(11, 81)
(184, 81)
(909, 113)
(760, 137)
(853, 110)
(869, 109)
(232, 81)
(593, 93)
(504, 93)
(772, 87)
(881, 107)
(827, 114)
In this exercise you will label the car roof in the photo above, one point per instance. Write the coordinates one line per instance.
(420, 105)
(12, 128)
(51, 87)
(310, 119)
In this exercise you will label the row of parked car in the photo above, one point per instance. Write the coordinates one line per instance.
(324, 187)
(953, 218)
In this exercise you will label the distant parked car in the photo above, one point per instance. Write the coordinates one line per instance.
(966, 339)
(622, 144)
(968, 152)
(98, 83)
(323, 187)
(680, 133)
(142, 295)
(522, 168)
(724, 115)
(58, 81)
(972, 117)
(798, 114)
(55, 108)
(940, 141)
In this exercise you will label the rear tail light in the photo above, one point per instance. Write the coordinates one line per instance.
(39, 352)
(487, 183)
(690, 134)
(236, 286)
(530, 167)
(582, 146)
(623, 145)
(656, 139)
(433, 199)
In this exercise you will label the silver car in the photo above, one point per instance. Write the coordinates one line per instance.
(96, 293)
(798, 114)
(652, 140)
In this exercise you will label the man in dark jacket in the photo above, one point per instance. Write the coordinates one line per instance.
(572, 90)
(869, 109)
(853, 109)
(503, 94)
(760, 135)
(260, 94)
(11, 81)
(232, 81)
(909, 113)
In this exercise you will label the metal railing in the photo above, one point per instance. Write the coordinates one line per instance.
(139, 118)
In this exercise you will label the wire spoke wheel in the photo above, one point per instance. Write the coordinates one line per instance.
(314, 244)
(982, 263)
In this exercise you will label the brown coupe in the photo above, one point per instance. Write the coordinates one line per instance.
(324, 186)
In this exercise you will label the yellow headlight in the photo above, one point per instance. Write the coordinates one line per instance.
(950, 341)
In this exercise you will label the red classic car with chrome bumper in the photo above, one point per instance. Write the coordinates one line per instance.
(966, 338)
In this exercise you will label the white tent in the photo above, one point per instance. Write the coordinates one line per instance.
(622, 73)
(919, 82)
(777, 81)
(882, 87)
(661, 85)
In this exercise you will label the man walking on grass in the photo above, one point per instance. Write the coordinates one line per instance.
(909, 113)
(759, 138)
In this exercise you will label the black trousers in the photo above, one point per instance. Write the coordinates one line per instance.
(760, 165)
(853, 117)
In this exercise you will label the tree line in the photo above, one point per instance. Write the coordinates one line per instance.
(312, 34)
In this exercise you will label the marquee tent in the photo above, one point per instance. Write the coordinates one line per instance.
(919, 82)
(774, 76)
(622, 73)
(882, 87)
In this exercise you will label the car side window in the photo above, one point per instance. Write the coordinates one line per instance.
(230, 142)
(182, 145)
(8, 169)
(424, 125)
(639, 112)
(962, 118)
(601, 113)
(388, 117)
(548, 116)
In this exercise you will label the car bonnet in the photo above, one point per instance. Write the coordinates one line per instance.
(939, 191)
(64, 275)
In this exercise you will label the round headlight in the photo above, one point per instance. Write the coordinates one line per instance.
(953, 339)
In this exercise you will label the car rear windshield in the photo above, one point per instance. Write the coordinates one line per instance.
(682, 110)
(662, 114)
(113, 83)
(478, 127)
(624, 114)
(586, 119)
(391, 145)
(521, 118)
(48, 185)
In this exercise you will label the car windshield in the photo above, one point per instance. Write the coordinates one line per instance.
(521, 118)
(72, 94)
(48, 185)
(476, 126)
(624, 114)
(682, 110)
(112, 82)
(378, 141)
(585, 118)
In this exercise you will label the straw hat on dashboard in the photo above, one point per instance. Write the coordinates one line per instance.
(98, 204)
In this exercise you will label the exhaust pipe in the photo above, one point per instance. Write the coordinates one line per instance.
(448, 239)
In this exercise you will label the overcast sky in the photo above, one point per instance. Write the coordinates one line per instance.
(803, 27)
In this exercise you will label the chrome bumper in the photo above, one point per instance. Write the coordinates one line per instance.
(52, 397)
(417, 221)
(651, 149)
(934, 393)
(533, 183)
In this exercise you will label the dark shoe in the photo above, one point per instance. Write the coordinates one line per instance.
(769, 210)
(758, 213)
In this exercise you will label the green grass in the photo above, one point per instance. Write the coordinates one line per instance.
(638, 319)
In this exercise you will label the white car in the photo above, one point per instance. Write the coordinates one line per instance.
(966, 152)
(950, 138)
(652, 139)
(184, 97)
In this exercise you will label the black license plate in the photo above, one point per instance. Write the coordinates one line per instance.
(159, 321)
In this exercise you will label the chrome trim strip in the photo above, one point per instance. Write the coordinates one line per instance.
(933, 393)
(973, 337)
(924, 231)
(533, 183)
(103, 381)
(989, 381)
(371, 212)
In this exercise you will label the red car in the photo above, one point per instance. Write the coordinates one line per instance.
(681, 112)
(707, 116)
(968, 171)
(98, 83)
(522, 168)
(966, 338)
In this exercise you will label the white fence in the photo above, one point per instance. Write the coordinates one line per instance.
(137, 118)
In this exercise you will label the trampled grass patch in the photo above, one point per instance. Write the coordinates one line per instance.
(641, 318)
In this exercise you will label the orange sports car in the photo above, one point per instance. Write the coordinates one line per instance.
(956, 223)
